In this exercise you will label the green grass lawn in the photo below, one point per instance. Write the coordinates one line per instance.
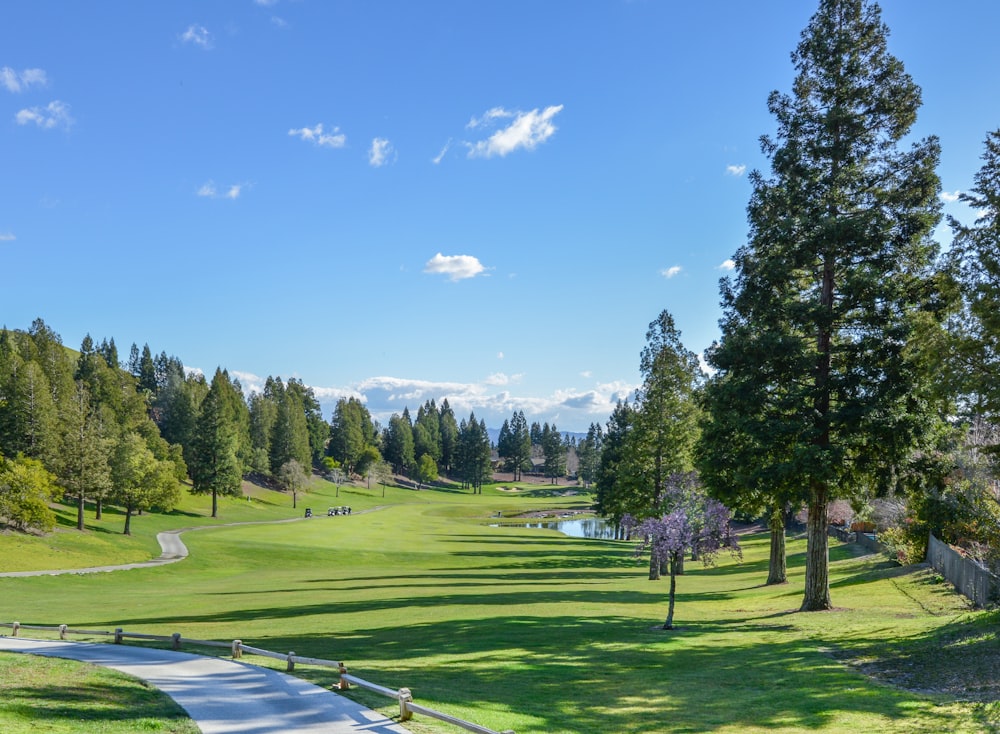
(534, 631)
(62, 696)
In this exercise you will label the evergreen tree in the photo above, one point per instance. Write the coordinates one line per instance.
(398, 444)
(474, 454)
(216, 467)
(350, 431)
(588, 453)
(554, 452)
(611, 484)
(83, 461)
(975, 260)
(514, 445)
(449, 437)
(819, 328)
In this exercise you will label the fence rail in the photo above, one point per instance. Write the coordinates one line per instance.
(971, 579)
(406, 705)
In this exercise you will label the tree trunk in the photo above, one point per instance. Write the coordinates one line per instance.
(79, 511)
(654, 567)
(215, 503)
(128, 520)
(777, 570)
(679, 567)
(817, 592)
(669, 624)
(99, 503)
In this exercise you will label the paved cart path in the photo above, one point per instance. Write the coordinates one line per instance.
(172, 548)
(223, 696)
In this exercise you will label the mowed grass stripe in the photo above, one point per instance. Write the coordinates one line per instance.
(530, 630)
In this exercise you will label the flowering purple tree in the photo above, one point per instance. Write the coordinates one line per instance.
(697, 524)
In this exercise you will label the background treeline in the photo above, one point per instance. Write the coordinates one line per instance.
(91, 428)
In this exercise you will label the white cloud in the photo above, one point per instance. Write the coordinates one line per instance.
(737, 170)
(497, 379)
(671, 271)
(278, 22)
(950, 196)
(437, 159)
(17, 81)
(7, 237)
(456, 267)
(499, 355)
(210, 191)
(198, 35)
(527, 130)
(55, 114)
(381, 152)
(266, 3)
(315, 135)
(727, 265)
(586, 373)
(497, 113)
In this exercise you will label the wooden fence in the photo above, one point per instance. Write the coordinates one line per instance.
(407, 707)
(971, 579)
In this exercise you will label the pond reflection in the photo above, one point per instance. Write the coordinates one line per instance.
(590, 527)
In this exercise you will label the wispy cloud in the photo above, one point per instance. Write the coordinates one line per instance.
(736, 170)
(438, 158)
(488, 117)
(18, 81)
(265, 3)
(527, 130)
(315, 135)
(727, 265)
(381, 152)
(198, 35)
(499, 355)
(456, 267)
(278, 22)
(55, 114)
(671, 271)
(7, 237)
(210, 191)
(950, 196)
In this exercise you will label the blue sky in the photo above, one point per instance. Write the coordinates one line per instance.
(484, 201)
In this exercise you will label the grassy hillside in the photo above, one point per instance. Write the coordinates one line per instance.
(531, 630)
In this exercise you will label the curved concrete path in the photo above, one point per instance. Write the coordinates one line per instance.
(172, 549)
(223, 696)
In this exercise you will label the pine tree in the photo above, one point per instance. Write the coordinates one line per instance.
(216, 468)
(819, 327)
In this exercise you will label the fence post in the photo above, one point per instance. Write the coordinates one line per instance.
(404, 698)
(14, 628)
(291, 662)
(62, 632)
(344, 684)
(175, 641)
(237, 649)
(118, 635)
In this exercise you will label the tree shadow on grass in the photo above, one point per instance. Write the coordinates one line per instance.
(555, 672)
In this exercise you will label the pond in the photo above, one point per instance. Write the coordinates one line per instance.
(590, 527)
